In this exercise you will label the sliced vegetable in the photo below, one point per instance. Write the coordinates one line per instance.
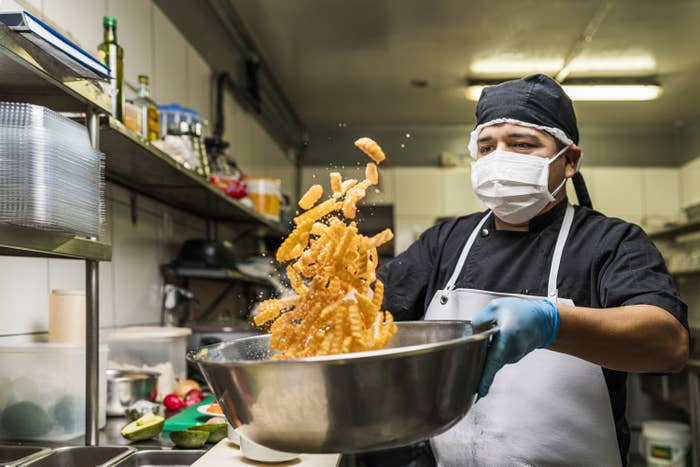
(189, 438)
(147, 427)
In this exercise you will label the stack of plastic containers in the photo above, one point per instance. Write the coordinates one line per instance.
(50, 176)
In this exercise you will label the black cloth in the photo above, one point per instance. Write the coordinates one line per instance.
(606, 263)
(536, 99)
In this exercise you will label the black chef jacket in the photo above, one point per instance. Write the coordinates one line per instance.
(606, 263)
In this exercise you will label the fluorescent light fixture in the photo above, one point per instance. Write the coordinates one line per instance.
(639, 63)
(514, 66)
(591, 92)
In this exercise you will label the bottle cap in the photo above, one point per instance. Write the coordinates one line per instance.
(109, 21)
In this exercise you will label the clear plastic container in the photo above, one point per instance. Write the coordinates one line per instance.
(42, 391)
(154, 348)
(50, 176)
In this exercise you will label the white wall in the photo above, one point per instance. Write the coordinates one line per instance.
(130, 284)
(649, 196)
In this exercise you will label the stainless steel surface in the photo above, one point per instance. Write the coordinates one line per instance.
(29, 74)
(419, 386)
(20, 241)
(92, 360)
(11, 456)
(126, 387)
(162, 458)
(140, 166)
(694, 411)
(92, 320)
(84, 456)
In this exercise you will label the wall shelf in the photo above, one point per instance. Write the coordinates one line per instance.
(21, 241)
(29, 74)
(213, 274)
(133, 162)
(676, 231)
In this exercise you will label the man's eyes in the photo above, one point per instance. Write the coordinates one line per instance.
(487, 148)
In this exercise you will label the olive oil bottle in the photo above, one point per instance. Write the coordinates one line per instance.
(112, 55)
(150, 122)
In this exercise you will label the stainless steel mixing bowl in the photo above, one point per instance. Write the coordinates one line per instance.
(417, 387)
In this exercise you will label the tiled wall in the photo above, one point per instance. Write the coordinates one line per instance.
(130, 283)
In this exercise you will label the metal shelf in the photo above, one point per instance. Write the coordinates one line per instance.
(140, 166)
(29, 74)
(676, 231)
(214, 274)
(22, 241)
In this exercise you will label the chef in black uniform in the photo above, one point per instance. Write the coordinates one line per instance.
(580, 298)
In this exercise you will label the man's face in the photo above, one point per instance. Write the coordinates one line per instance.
(525, 140)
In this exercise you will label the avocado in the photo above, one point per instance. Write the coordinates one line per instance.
(217, 431)
(69, 412)
(189, 438)
(147, 427)
(25, 419)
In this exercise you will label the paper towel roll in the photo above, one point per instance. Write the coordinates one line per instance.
(67, 316)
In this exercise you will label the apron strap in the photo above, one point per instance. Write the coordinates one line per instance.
(552, 291)
(465, 252)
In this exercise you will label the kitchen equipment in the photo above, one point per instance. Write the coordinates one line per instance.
(188, 417)
(226, 453)
(185, 125)
(417, 387)
(204, 253)
(84, 456)
(42, 391)
(665, 443)
(266, 194)
(162, 457)
(67, 316)
(126, 387)
(11, 456)
(150, 348)
(50, 176)
(254, 451)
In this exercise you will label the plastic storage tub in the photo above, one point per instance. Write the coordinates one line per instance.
(42, 391)
(154, 348)
(265, 193)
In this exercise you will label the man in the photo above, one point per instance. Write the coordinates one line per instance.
(580, 299)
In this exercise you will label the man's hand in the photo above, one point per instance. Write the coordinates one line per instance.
(525, 325)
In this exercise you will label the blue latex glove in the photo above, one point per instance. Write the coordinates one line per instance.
(525, 325)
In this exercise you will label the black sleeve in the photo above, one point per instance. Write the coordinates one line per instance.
(633, 272)
(406, 277)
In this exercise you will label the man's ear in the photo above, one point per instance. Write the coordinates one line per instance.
(573, 156)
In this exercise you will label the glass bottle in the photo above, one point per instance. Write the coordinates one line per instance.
(150, 121)
(112, 55)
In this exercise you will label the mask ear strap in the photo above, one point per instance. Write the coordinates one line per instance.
(563, 150)
(561, 185)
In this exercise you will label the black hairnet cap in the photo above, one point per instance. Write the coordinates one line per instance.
(535, 99)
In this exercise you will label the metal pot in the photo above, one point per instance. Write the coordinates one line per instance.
(419, 386)
(126, 387)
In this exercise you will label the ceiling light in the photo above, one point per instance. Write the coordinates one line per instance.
(614, 64)
(514, 66)
(591, 91)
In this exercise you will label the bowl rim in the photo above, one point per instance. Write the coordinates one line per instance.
(368, 355)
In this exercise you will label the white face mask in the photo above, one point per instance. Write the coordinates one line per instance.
(514, 186)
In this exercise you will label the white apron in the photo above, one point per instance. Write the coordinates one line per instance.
(548, 409)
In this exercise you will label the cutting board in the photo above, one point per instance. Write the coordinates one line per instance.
(188, 417)
(227, 453)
